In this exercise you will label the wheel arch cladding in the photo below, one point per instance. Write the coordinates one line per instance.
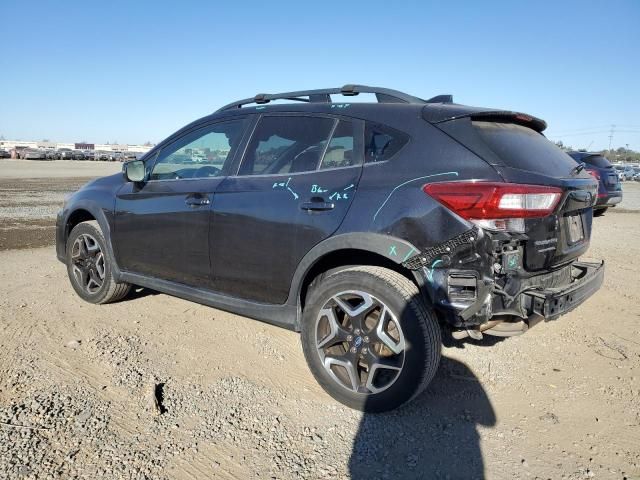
(350, 249)
(77, 216)
(348, 257)
(88, 211)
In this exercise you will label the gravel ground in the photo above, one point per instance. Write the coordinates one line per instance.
(50, 169)
(32, 192)
(79, 384)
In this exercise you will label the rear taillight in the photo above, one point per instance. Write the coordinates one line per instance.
(496, 206)
(594, 173)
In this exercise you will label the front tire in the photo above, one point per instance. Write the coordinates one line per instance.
(369, 339)
(90, 266)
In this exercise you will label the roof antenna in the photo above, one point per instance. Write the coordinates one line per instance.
(441, 99)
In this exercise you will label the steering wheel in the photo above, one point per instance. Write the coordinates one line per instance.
(207, 171)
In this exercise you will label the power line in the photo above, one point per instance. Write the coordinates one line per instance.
(599, 128)
(613, 129)
(595, 132)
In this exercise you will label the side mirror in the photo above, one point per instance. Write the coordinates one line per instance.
(134, 171)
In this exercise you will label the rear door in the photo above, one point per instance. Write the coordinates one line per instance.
(523, 155)
(292, 190)
(162, 225)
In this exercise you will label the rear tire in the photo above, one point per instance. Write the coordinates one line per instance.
(599, 212)
(90, 265)
(369, 339)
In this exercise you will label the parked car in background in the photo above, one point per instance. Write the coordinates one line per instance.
(33, 154)
(609, 187)
(51, 154)
(16, 152)
(128, 156)
(89, 155)
(636, 174)
(64, 154)
(364, 226)
(4, 153)
(625, 172)
(115, 157)
(102, 155)
(77, 155)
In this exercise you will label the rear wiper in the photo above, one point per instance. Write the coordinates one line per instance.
(577, 169)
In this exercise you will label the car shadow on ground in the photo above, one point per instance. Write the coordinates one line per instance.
(139, 292)
(435, 436)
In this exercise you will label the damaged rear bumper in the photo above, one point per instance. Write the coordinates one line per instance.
(476, 281)
(545, 296)
(553, 302)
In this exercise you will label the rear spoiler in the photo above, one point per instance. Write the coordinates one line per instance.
(446, 113)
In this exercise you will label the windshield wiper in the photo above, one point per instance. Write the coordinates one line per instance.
(578, 168)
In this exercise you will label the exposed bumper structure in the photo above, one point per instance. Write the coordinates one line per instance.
(480, 285)
(553, 302)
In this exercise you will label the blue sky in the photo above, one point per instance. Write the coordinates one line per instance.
(137, 71)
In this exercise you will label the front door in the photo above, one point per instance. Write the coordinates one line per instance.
(162, 225)
(293, 188)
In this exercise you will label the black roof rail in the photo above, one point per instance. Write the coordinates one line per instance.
(383, 95)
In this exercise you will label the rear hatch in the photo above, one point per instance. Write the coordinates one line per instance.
(514, 145)
(605, 172)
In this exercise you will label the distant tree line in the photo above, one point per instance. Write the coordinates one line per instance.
(621, 154)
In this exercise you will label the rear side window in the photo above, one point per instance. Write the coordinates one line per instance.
(523, 148)
(340, 152)
(286, 145)
(381, 143)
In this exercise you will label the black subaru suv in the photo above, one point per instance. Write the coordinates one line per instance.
(365, 226)
(609, 185)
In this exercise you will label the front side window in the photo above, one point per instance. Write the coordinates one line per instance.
(200, 154)
(283, 145)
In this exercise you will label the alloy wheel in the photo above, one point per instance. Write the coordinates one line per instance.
(360, 342)
(88, 263)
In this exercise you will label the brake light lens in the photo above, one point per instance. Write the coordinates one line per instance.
(594, 173)
(496, 206)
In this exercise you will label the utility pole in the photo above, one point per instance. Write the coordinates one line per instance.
(613, 129)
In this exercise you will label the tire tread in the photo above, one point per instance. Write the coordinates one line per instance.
(423, 315)
(432, 335)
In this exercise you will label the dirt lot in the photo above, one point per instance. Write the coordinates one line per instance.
(76, 380)
(32, 192)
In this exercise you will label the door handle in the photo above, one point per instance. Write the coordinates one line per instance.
(318, 206)
(196, 201)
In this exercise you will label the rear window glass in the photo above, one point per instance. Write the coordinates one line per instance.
(523, 148)
(381, 143)
(597, 161)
